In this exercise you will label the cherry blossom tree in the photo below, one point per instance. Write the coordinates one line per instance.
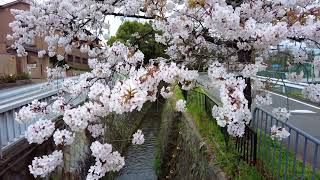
(229, 37)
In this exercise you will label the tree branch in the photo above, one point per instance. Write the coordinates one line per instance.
(131, 16)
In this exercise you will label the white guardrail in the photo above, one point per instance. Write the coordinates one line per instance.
(10, 130)
(295, 85)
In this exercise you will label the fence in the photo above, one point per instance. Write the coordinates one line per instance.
(11, 101)
(293, 158)
(11, 130)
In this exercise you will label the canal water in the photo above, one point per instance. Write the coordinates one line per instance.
(140, 158)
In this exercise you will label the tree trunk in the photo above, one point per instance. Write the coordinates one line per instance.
(245, 57)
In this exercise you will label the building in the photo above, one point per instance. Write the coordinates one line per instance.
(11, 64)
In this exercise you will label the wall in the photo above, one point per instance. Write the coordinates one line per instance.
(8, 64)
(183, 152)
(6, 17)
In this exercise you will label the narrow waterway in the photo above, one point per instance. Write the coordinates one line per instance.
(140, 158)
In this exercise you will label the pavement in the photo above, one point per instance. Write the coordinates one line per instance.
(303, 115)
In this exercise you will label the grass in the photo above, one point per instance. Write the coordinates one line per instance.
(14, 78)
(225, 156)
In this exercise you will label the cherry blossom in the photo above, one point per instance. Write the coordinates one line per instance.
(263, 100)
(312, 92)
(77, 118)
(295, 77)
(96, 130)
(63, 137)
(234, 111)
(138, 138)
(281, 113)
(42, 166)
(59, 105)
(41, 53)
(279, 133)
(39, 131)
(181, 105)
(106, 160)
(250, 70)
(216, 71)
(166, 92)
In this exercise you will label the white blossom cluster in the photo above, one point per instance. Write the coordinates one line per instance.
(279, 133)
(181, 105)
(59, 105)
(106, 160)
(295, 77)
(312, 92)
(166, 92)
(234, 113)
(281, 113)
(300, 56)
(77, 118)
(40, 131)
(56, 73)
(63, 137)
(30, 112)
(42, 166)
(138, 137)
(96, 130)
(217, 71)
(250, 70)
(263, 100)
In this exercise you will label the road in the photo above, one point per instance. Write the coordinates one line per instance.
(303, 116)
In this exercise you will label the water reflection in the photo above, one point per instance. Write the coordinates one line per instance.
(140, 158)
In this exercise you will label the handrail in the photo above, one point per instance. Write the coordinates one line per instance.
(285, 82)
(289, 125)
(25, 101)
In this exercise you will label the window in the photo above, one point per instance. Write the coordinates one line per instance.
(70, 58)
(85, 61)
(77, 60)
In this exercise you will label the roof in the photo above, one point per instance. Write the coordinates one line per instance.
(7, 3)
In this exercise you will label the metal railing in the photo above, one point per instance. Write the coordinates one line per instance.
(10, 130)
(296, 157)
(286, 83)
(246, 146)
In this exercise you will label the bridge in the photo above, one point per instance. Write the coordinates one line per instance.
(11, 100)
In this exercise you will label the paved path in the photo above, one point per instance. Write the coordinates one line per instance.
(304, 116)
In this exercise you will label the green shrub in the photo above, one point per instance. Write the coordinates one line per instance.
(23, 76)
(14, 78)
